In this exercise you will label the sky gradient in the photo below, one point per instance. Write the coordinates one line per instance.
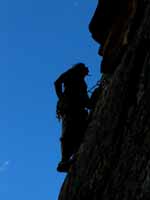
(39, 40)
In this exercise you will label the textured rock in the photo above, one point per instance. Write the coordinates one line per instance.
(113, 163)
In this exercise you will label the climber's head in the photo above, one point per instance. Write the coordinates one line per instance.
(81, 69)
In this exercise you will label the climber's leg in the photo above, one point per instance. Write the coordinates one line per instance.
(66, 144)
(66, 153)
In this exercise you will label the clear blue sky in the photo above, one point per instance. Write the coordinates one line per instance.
(39, 39)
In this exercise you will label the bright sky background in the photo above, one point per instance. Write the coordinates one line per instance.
(39, 39)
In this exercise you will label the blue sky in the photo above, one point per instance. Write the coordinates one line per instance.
(39, 40)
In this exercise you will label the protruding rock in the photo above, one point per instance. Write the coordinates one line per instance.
(113, 162)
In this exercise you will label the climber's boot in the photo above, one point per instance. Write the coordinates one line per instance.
(63, 166)
(65, 162)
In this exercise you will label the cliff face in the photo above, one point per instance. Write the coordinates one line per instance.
(113, 163)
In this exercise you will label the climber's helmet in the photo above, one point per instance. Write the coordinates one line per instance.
(81, 68)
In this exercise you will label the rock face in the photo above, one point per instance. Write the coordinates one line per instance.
(113, 162)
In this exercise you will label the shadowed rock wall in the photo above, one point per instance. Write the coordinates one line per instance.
(113, 163)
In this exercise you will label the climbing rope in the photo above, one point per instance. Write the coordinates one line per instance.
(96, 85)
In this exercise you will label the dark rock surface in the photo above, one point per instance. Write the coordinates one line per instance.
(113, 163)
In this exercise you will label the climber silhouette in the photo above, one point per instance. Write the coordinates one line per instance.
(73, 100)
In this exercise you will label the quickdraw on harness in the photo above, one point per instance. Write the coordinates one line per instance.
(58, 113)
(60, 108)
